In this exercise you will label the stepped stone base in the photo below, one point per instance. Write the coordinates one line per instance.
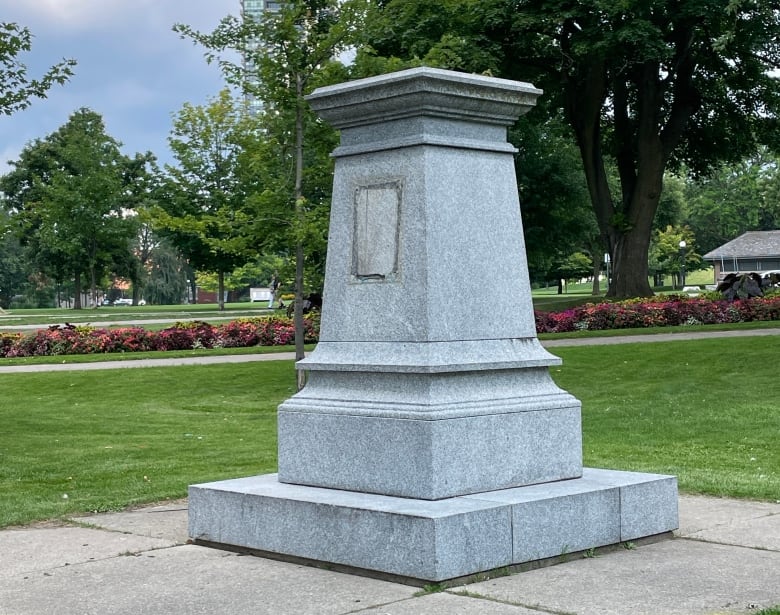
(433, 540)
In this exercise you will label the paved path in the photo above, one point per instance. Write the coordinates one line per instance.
(724, 559)
(246, 358)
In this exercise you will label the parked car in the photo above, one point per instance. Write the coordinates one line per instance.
(122, 301)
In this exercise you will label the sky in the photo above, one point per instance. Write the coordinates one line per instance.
(132, 68)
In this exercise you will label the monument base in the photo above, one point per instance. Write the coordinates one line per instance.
(433, 540)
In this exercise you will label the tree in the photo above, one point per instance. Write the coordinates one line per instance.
(69, 195)
(203, 212)
(16, 88)
(672, 259)
(573, 266)
(557, 219)
(734, 199)
(286, 55)
(167, 279)
(646, 84)
(12, 269)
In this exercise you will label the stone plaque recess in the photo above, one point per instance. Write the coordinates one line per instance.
(375, 247)
(430, 441)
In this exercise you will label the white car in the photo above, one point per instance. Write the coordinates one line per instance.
(122, 301)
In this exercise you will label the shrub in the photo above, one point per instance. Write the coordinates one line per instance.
(669, 310)
(241, 333)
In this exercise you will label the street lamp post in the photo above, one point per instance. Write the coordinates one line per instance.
(683, 245)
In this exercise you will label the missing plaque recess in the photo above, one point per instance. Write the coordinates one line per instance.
(375, 249)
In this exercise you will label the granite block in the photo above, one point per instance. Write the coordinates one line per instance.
(423, 91)
(603, 507)
(429, 459)
(562, 517)
(418, 539)
(429, 396)
(648, 502)
(451, 213)
(428, 540)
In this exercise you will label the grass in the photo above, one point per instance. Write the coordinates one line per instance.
(703, 410)
(111, 439)
(118, 315)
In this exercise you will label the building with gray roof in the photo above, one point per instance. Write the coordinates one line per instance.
(754, 251)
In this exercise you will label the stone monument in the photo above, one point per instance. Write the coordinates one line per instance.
(430, 441)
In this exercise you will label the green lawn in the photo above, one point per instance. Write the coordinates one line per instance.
(113, 438)
(121, 314)
(703, 410)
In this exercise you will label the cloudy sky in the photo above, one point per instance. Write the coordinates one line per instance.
(132, 68)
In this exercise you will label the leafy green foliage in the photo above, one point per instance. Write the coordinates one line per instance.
(667, 257)
(286, 55)
(166, 282)
(735, 198)
(576, 265)
(16, 88)
(12, 270)
(201, 207)
(69, 195)
(643, 86)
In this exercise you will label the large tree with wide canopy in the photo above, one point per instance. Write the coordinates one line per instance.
(644, 84)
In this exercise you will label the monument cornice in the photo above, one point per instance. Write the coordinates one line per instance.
(424, 91)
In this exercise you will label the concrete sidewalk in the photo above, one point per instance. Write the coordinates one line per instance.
(724, 559)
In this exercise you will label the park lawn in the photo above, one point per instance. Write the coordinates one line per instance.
(703, 410)
(46, 317)
(114, 438)
(706, 411)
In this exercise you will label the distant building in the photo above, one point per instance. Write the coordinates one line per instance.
(255, 10)
(754, 251)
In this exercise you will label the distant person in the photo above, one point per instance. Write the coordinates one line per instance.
(274, 286)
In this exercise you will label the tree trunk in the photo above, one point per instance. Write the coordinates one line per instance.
(642, 150)
(192, 284)
(629, 266)
(93, 286)
(299, 213)
(596, 273)
(221, 290)
(77, 291)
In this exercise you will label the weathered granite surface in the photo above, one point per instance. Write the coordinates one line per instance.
(430, 441)
(428, 381)
(431, 540)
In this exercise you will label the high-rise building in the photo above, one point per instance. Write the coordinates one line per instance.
(254, 10)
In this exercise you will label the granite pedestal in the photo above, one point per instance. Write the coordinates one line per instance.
(430, 441)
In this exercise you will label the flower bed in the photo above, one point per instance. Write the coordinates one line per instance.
(661, 311)
(240, 333)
